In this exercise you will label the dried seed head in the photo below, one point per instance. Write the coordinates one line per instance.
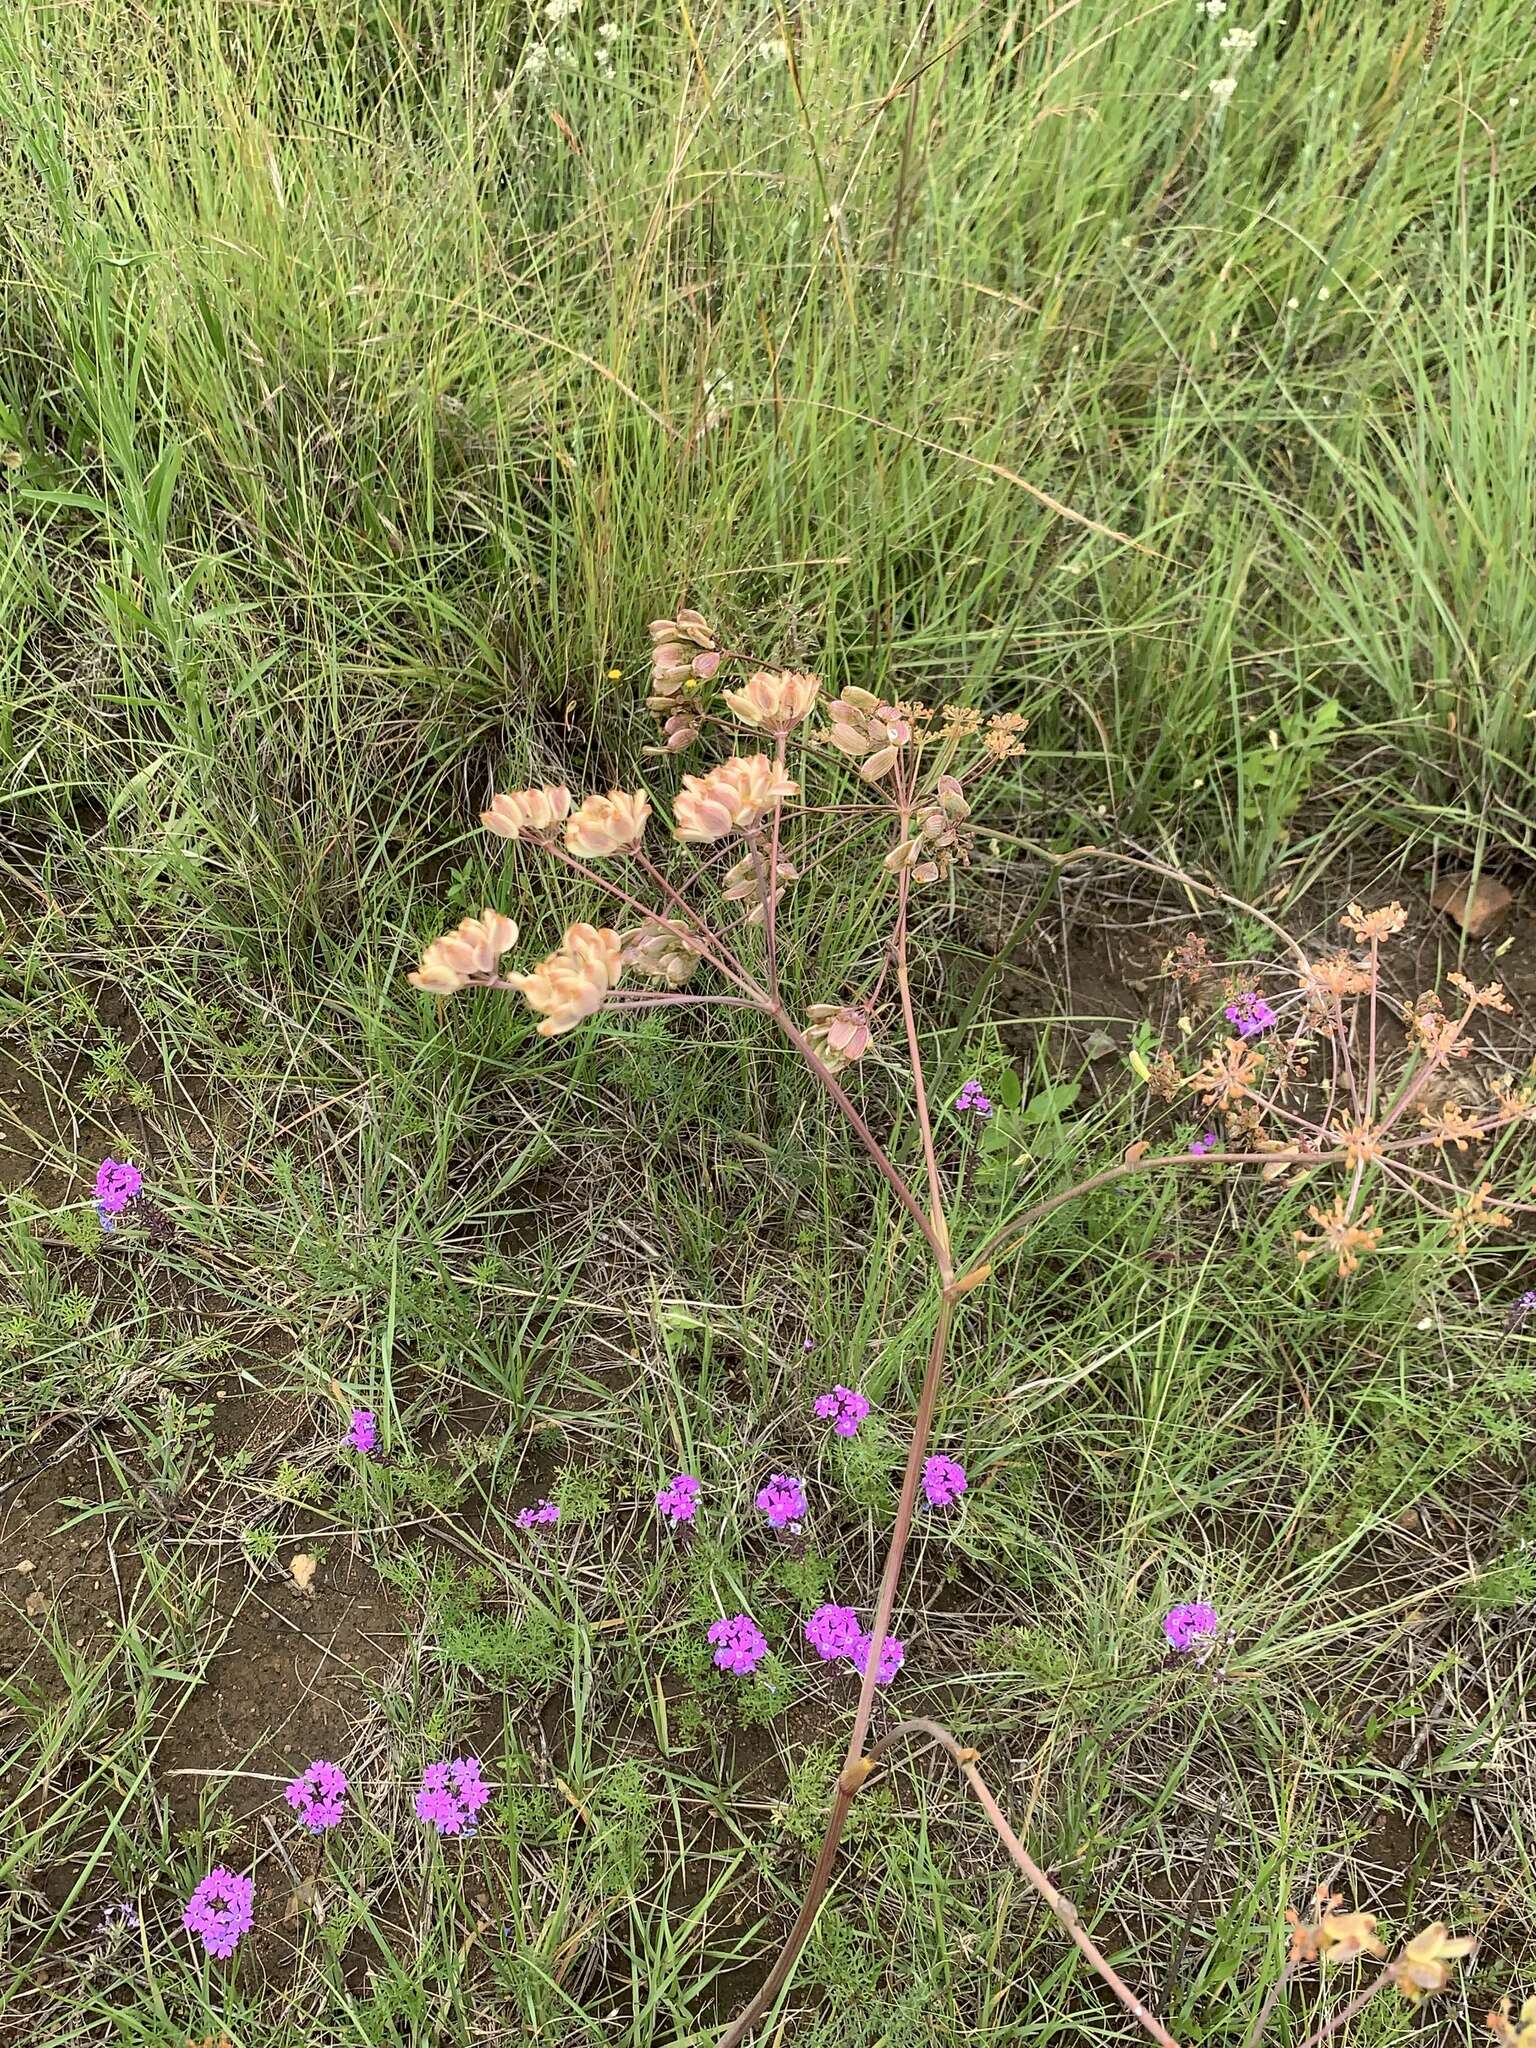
(687, 626)
(838, 1033)
(527, 813)
(1340, 1236)
(573, 982)
(661, 951)
(1424, 1965)
(774, 703)
(868, 731)
(1380, 924)
(1513, 2035)
(744, 883)
(731, 798)
(608, 824)
(467, 955)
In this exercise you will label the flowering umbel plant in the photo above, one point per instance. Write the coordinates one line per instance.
(699, 893)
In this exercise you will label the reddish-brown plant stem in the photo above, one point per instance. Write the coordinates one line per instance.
(1275, 1994)
(1062, 1907)
(855, 1765)
(919, 1091)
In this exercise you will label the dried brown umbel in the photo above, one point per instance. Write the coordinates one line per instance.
(734, 797)
(661, 951)
(606, 825)
(573, 982)
(869, 731)
(774, 701)
(528, 813)
(466, 956)
(839, 1033)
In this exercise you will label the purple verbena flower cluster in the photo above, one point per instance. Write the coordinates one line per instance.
(972, 1101)
(1190, 1624)
(679, 1501)
(364, 1434)
(740, 1645)
(1249, 1014)
(220, 1910)
(117, 1184)
(451, 1794)
(843, 1407)
(835, 1635)
(782, 1500)
(943, 1480)
(319, 1796)
(1206, 1142)
(531, 1518)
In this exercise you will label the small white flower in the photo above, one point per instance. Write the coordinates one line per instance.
(535, 61)
(561, 10)
(1222, 90)
(1323, 292)
(1215, 8)
(772, 53)
(1240, 41)
(1291, 305)
(608, 30)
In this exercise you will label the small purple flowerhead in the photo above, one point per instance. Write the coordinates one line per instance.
(1190, 1624)
(117, 1184)
(972, 1101)
(843, 1407)
(1249, 1014)
(364, 1434)
(892, 1657)
(678, 1501)
(943, 1480)
(319, 1796)
(1206, 1142)
(832, 1632)
(531, 1518)
(740, 1645)
(782, 1500)
(220, 1911)
(809, 1344)
(451, 1794)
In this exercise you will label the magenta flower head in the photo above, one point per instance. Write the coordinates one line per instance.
(843, 1408)
(531, 1518)
(364, 1434)
(782, 1500)
(1191, 1624)
(678, 1501)
(740, 1645)
(943, 1481)
(1249, 1015)
(319, 1797)
(451, 1794)
(971, 1101)
(1206, 1142)
(832, 1632)
(117, 1184)
(892, 1657)
(220, 1911)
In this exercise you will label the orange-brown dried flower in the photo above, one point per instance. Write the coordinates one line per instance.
(1228, 1075)
(470, 954)
(1339, 1235)
(938, 840)
(1333, 1937)
(1424, 1965)
(1490, 996)
(1376, 925)
(1475, 1211)
(1450, 1124)
(1521, 2034)
(528, 813)
(1163, 1076)
(733, 797)
(1328, 982)
(573, 982)
(606, 825)
(1005, 735)
(1361, 1143)
(774, 701)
